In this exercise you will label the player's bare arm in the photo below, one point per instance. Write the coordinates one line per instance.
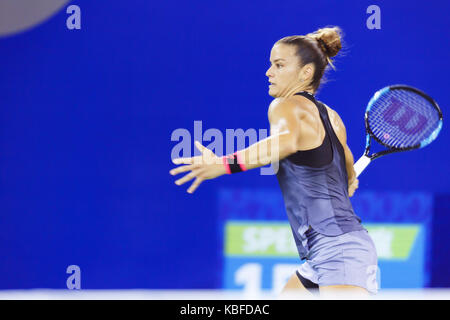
(339, 129)
(284, 114)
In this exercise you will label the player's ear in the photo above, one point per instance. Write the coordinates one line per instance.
(307, 72)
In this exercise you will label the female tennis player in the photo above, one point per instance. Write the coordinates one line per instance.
(316, 175)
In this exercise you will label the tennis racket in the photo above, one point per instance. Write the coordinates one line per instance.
(401, 118)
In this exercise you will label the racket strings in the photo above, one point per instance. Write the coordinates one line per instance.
(402, 118)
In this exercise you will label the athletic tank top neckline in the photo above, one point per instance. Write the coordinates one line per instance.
(307, 95)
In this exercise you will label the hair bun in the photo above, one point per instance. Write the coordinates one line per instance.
(329, 40)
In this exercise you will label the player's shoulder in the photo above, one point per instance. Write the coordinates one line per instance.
(334, 116)
(291, 104)
(337, 124)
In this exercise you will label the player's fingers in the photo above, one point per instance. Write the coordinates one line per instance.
(195, 185)
(186, 178)
(200, 146)
(351, 190)
(182, 169)
(183, 160)
(191, 160)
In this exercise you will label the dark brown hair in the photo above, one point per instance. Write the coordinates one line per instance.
(317, 48)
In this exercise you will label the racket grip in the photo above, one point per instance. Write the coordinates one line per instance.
(361, 164)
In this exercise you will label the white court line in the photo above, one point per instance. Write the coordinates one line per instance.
(140, 294)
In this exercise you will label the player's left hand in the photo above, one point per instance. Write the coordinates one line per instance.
(203, 167)
(352, 187)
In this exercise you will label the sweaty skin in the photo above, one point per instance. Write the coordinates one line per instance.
(300, 116)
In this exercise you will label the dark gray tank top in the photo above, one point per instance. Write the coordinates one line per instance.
(316, 198)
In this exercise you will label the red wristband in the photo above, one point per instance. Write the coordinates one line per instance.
(233, 163)
(239, 161)
(225, 163)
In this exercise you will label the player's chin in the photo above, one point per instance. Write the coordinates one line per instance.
(272, 93)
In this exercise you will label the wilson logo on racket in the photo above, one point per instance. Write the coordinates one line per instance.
(405, 118)
(401, 118)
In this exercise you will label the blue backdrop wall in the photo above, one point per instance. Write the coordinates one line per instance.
(87, 117)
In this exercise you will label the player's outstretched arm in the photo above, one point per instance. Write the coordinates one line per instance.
(284, 122)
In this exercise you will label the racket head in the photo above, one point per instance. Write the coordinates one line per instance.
(402, 118)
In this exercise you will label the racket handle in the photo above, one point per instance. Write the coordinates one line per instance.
(361, 164)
